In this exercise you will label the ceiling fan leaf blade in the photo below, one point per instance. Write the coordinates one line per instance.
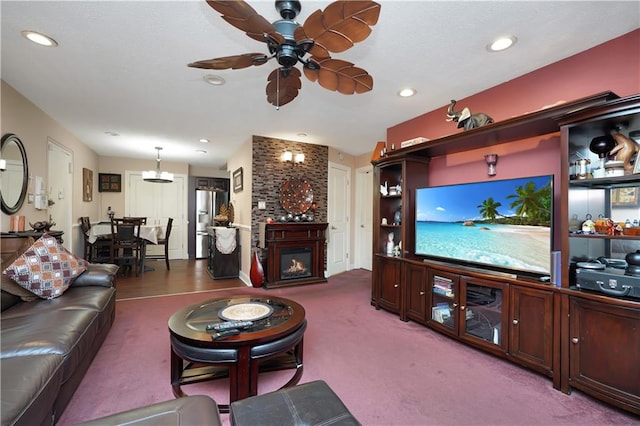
(312, 75)
(367, 11)
(342, 24)
(342, 76)
(346, 86)
(282, 90)
(234, 62)
(244, 17)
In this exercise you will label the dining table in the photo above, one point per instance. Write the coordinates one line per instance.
(148, 234)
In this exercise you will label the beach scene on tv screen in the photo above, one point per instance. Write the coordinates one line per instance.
(504, 223)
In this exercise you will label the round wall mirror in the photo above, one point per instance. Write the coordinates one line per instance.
(14, 174)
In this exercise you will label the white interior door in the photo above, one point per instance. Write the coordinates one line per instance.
(338, 216)
(158, 202)
(60, 189)
(364, 217)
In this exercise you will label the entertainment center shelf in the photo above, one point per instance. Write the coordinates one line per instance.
(556, 330)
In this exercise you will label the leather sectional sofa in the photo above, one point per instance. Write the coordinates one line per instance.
(46, 346)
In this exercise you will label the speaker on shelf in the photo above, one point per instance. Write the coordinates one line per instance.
(556, 268)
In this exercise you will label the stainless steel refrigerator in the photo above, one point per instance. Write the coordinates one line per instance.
(208, 204)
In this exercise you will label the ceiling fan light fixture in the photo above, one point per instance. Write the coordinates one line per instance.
(157, 176)
(502, 43)
(407, 93)
(39, 38)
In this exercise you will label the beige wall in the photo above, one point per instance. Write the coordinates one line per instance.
(208, 172)
(119, 165)
(34, 128)
(242, 205)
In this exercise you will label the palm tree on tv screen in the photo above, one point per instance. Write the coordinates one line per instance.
(489, 208)
(532, 203)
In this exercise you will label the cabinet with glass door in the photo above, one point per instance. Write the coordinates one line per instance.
(471, 309)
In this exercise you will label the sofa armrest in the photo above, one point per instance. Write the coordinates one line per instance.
(98, 274)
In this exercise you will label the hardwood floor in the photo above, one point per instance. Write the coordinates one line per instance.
(185, 276)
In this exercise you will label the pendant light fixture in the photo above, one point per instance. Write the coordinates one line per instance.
(156, 175)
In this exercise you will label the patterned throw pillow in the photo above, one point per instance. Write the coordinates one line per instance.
(46, 268)
(10, 286)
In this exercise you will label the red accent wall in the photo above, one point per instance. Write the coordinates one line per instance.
(614, 66)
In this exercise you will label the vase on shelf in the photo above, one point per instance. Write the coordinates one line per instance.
(256, 273)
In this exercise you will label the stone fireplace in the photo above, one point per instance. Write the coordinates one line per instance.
(295, 253)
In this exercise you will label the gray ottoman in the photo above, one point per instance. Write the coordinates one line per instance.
(308, 404)
(196, 410)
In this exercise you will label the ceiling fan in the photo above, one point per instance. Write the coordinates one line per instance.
(342, 24)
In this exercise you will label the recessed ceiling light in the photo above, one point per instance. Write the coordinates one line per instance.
(213, 79)
(39, 38)
(408, 92)
(110, 133)
(203, 140)
(302, 135)
(501, 43)
(201, 151)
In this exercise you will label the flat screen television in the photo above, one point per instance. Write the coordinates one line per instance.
(502, 225)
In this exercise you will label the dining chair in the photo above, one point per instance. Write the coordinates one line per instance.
(85, 226)
(125, 243)
(165, 242)
(142, 220)
(99, 250)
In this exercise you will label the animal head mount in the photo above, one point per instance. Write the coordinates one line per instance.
(465, 119)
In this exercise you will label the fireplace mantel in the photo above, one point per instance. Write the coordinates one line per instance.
(282, 240)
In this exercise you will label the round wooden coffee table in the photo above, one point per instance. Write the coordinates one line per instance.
(274, 342)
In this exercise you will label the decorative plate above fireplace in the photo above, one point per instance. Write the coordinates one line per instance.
(296, 196)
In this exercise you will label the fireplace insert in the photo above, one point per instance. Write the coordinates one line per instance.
(295, 263)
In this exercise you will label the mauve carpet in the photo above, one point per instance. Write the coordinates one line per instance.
(386, 371)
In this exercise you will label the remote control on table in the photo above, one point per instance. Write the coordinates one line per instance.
(228, 325)
(226, 333)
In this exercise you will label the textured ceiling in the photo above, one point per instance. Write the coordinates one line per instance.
(121, 66)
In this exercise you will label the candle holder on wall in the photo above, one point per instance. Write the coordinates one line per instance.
(491, 160)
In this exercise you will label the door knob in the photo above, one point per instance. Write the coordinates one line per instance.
(575, 340)
(515, 322)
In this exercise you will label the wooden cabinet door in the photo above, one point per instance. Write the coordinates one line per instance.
(605, 352)
(482, 314)
(416, 294)
(442, 311)
(531, 328)
(390, 289)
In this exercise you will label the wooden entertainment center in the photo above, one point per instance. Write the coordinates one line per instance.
(584, 340)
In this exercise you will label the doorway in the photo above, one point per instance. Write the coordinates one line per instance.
(364, 218)
(338, 210)
(60, 189)
(158, 202)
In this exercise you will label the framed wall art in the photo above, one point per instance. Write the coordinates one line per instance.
(237, 180)
(109, 182)
(87, 184)
(624, 197)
